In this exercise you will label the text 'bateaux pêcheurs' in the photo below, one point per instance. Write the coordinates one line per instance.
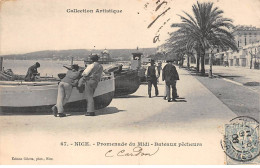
(104, 11)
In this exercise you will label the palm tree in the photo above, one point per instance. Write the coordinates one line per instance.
(179, 45)
(206, 30)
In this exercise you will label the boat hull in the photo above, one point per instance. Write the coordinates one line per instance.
(126, 82)
(101, 101)
(141, 74)
(34, 96)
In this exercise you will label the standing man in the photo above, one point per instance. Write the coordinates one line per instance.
(64, 90)
(32, 72)
(170, 75)
(152, 75)
(91, 75)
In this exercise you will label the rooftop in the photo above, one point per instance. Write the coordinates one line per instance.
(245, 27)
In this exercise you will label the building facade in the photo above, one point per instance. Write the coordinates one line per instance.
(245, 35)
(246, 56)
(104, 57)
(248, 42)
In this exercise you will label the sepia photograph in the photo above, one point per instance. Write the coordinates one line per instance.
(133, 82)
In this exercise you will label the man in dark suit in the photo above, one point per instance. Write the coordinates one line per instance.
(170, 76)
(152, 75)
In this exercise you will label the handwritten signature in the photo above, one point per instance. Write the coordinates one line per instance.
(137, 151)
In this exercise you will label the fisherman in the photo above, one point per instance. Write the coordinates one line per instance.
(152, 76)
(65, 89)
(32, 72)
(91, 75)
(170, 76)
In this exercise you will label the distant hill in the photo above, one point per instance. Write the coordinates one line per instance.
(78, 54)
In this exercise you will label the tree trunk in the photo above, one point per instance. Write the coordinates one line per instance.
(210, 66)
(182, 61)
(197, 59)
(251, 60)
(188, 61)
(203, 62)
(198, 63)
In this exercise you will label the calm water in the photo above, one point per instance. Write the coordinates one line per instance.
(48, 67)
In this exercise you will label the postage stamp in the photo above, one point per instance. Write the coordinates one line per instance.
(241, 139)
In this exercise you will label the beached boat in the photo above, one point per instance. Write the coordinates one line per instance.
(127, 81)
(8, 75)
(17, 96)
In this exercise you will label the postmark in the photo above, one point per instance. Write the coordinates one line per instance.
(241, 139)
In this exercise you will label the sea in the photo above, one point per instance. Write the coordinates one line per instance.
(50, 68)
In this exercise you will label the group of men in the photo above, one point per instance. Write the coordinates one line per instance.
(169, 75)
(89, 78)
(91, 75)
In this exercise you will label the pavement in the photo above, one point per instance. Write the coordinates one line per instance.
(243, 76)
(197, 118)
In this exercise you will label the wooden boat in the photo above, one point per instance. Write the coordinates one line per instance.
(127, 81)
(8, 75)
(17, 96)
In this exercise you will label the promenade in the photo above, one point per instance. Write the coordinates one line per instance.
(198, 117)
(239, 75)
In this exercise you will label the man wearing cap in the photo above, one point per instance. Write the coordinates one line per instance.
(152, 75)
(92, 75)
(32, 72)
(170, 76)
(65, 89)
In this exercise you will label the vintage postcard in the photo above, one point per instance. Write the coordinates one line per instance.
(133, 82)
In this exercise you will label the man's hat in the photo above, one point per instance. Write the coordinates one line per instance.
(152, 61)
(94, 57)
(37, 64)
(170, 60)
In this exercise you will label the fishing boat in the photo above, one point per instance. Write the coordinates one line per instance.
(17, 96)
(8, 75)
(127, 81)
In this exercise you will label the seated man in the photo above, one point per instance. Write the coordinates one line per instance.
(65, 89)
(32, 72)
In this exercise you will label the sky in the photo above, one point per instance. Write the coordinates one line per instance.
(30, 25)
